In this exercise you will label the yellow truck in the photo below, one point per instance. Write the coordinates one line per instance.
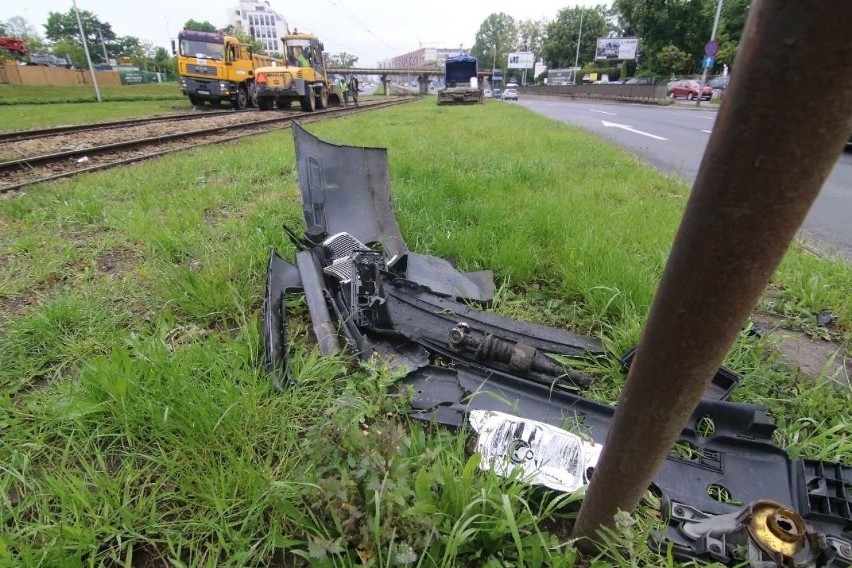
(216, 68)
(302, 78)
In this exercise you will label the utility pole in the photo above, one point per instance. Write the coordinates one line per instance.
(494, 62)
(577, 55)
(103, 46)
(744, 210)
(712, 38)
(86, 49)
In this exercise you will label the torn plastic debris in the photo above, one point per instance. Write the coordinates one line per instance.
(413, 318)
(361, 281)
(547, 455)
(764, 534)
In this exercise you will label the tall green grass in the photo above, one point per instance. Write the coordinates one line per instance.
(50, 94)
(25, 116)
(138, 428)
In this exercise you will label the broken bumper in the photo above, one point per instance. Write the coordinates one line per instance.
(500, 376)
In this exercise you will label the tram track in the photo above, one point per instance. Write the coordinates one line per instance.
(21, 172)
(20, 135)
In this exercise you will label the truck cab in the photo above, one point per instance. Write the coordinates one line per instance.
(214, 67)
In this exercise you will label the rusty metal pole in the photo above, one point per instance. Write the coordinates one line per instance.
(777, 135)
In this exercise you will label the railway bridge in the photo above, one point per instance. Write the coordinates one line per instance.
(422, 74)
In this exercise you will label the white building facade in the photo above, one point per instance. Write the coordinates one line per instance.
(262, 22)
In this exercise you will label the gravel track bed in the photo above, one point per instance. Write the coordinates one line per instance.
(81, 140)
(37, 172)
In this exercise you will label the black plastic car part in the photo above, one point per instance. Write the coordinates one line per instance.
(415, 312)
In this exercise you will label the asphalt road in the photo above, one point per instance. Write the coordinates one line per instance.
(673, 139)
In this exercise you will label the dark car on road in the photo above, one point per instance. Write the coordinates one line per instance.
(688, 89)
(640, 81)
(719, 84)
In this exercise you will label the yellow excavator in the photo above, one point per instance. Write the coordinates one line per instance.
(302, 78)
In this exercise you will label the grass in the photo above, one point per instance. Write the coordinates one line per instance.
(138, 428)
(17, 117)
(49, 94)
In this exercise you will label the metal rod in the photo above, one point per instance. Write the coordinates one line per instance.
(86, 49)
(577, 54)
(765, 162)
(103, 46)
(315, 296)
(712, 37)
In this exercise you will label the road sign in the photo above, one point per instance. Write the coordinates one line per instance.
(711, 48)
(709, 62)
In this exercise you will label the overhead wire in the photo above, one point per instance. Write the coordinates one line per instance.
(351, 15)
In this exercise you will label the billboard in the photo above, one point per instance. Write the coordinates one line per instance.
(616, 48)
(521, 60)
(560, 76)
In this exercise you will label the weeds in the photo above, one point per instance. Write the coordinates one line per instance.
(52, 94)
(138, 428)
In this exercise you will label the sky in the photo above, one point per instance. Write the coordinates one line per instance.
(371, 29)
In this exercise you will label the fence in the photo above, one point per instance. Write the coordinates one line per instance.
(616, 92)
(36, 75)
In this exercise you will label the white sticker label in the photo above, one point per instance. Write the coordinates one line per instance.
(547, 455)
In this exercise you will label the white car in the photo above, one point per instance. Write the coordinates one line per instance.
(510, 95)
(488, 94)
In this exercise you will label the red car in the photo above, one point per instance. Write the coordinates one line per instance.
(688, 89)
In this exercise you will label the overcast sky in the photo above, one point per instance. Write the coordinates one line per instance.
(371, 29)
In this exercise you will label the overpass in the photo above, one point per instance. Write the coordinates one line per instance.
(422, 74)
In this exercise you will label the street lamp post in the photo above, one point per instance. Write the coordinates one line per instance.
(712, 38)
(577, 55)
(86, 49)
(494, 63)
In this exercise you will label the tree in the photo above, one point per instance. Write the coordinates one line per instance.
(727, 53)
(531, 34)
(19, 27)
(672, 59)
(560, 46)
(61, 26)
(125, 46)
(497, 36)
(343, 60)
(732, 22)
(72, 48)
(204, 26)
(241, 34)
(685, 24)
(731, 26)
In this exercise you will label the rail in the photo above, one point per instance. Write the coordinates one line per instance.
(18, 135)
(23, 172)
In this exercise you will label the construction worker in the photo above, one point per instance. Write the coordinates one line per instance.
(301, 59)
(353, 89)
(345, 89)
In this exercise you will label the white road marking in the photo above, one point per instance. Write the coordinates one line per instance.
(631, 129)
(602, 111)
(708, 131)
